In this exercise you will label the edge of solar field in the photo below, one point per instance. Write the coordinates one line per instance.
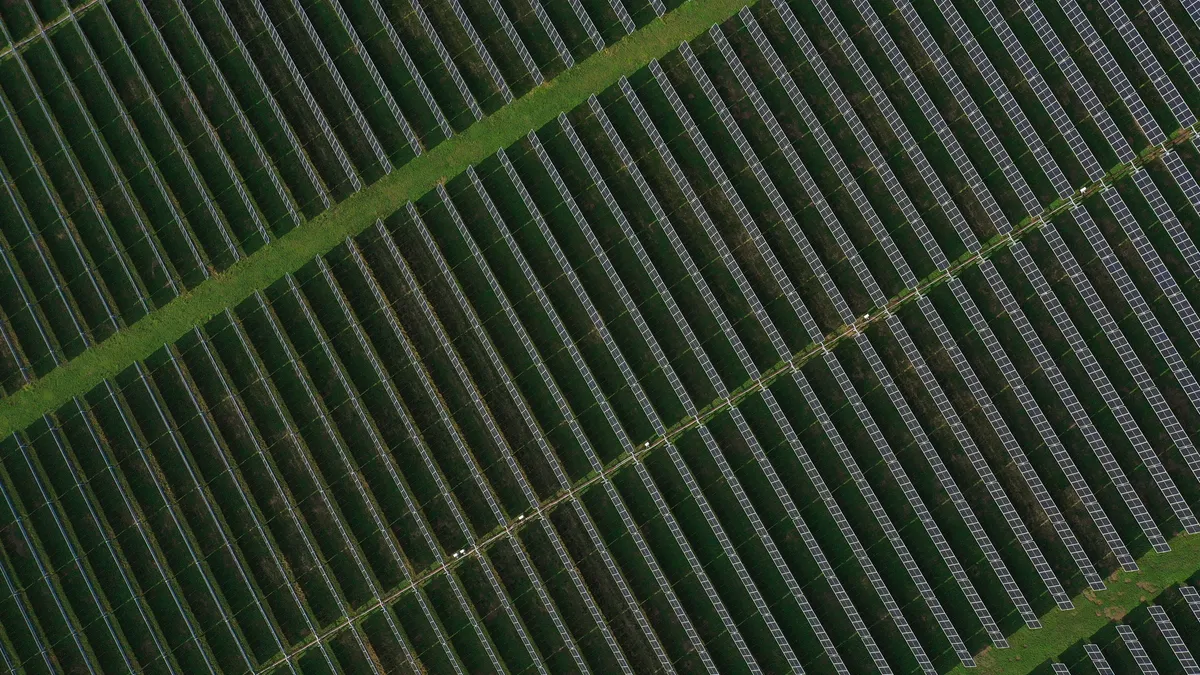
(1029, 649)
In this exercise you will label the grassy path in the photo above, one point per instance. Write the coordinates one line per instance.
(321, 234)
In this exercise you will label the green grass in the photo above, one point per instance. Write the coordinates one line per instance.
(1125, 590)
(321, 234)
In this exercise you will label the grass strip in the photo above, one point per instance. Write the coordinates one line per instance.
(1060, 629)
(354, 214)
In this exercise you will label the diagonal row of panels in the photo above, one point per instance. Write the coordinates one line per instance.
(433, 382)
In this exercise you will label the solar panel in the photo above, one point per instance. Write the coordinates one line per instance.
(279, 408)
(1146, 59)
(1140, 657)
(1109, 65)
(548, 453)
(881, 515)
(846, 530)
(768, 185)
(121, 405)
(484, 55)
(293, 436)
(785, 145)
(552, 31)
(611, 273)
(930, 245)
(652, 272)
(1078, 82)
(1174, 640)
(631, 379)
(1124, 350)
(1098, 659)
(872, 151)
(615, 424)
(1000, 426)
(1114, 470)
(946, 480)
(1033, 409)
(588, 25)
(963, 98)
(446, 59)
(1178, 235)
(831, 153)
(1033, 76)
(1000, 89)
(515, 40)
(618, 7)
(409, 64)
(676, 243)
(1192, 596)
(355, 111)
(729, 550)
(306, 94)
(1153, 262)
(1171, 33)
(731, 263)
(897, 123)
(982, 469)
(697, 569)
(727, 546)
(810, 615)
(1109, 393)
(582, 294)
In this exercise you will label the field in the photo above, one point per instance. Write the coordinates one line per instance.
(525, 336)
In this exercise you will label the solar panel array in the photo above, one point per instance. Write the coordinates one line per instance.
(551, 417)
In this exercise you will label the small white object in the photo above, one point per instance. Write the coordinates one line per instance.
(866, 316)
(521, 517)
